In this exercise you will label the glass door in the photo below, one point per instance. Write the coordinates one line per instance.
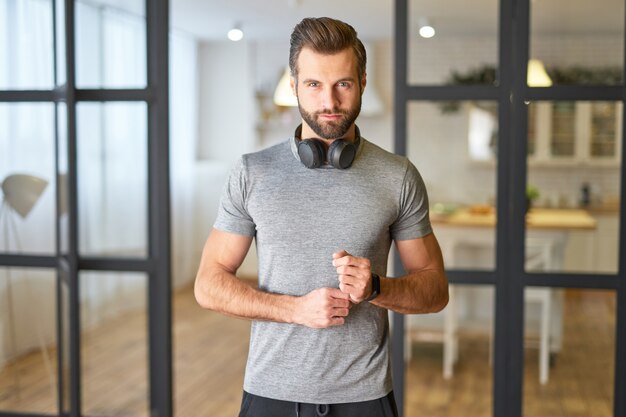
(85, 276)
(518, 135)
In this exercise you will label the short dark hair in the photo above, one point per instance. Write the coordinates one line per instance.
(326, 36)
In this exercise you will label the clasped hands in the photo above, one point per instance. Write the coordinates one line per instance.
(325, 307)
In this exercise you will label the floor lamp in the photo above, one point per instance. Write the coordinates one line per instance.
(20, 193)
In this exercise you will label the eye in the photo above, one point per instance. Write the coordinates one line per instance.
(343, 84)
(312, 84)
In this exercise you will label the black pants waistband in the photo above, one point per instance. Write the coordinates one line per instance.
(257, 406)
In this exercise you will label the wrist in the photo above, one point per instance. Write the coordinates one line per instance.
(375, 282)
(292, 312)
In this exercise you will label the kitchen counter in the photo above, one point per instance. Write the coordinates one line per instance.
(536, 218)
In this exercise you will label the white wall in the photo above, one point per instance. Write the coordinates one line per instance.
(226, 126)
(226, 105)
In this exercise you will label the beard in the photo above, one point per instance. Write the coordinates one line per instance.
(331, 129)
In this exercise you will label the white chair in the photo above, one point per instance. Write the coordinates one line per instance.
(541, 254)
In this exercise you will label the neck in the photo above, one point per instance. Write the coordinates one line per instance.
(307, 132)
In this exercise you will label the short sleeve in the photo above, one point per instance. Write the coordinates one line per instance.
(232, 214)
(413, 218)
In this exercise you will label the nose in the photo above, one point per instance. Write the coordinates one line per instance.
(330, 99)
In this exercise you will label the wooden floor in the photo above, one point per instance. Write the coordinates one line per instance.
(210, 352)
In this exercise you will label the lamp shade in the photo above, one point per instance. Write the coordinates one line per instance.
(537, 74)
(371, 104)
(283, 95)
(22, 191)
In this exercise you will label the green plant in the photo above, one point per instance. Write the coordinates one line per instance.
(532, 192)
(574, 75)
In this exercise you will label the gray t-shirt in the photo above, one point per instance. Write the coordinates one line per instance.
(299, 217)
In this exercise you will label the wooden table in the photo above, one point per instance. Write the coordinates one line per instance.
(472, 230)
(536, 218)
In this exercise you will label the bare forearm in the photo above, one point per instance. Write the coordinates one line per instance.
(223, 292)
(418, 292)
(220, 290)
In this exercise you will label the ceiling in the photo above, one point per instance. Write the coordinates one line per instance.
(275, 19)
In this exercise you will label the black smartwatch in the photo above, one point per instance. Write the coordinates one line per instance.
(375, 287)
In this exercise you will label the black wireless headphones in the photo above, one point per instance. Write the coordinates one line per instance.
(340, 154)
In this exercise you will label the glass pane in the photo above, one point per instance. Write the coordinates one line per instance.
(210, 349)
(114, 344)
(455, 151)
(563, 131)
(111, 44)
(26, 47)
(206, 363)
(578, 42)
(569, 355)
(62, 179)
(463, 48)
(112, 172)
(27, 178)
(532, 131)
(573, 200)
(28, 340)
(64, 366)
(448, 356)
(60, 42)
(604, 128)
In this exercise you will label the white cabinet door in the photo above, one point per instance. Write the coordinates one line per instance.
(594, 251)
(606, 249)
(572, 133)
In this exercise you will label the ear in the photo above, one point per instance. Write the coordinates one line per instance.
(363, 82)
(292, 84)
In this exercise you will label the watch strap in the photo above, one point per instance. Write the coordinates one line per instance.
(375, 287)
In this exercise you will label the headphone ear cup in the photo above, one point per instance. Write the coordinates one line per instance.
(341, 153)
(311, 153)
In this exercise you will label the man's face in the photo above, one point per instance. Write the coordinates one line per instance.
(328, 91)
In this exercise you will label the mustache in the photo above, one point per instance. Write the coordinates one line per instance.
(331, 111)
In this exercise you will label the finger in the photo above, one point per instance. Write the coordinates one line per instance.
(342, 260)
(353, 271)
(359, 280)
(345, 288)
(337, 294)
(344, 301)
(356, 293)
(341, 312)
(336, 321)
(350, 260)
(346, 279)
(353, 281)
(340, 253)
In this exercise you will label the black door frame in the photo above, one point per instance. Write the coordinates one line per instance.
(68, 261)
(509, 278)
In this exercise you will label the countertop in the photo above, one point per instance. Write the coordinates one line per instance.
(536, 218)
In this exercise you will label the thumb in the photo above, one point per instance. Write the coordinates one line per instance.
(340, 254)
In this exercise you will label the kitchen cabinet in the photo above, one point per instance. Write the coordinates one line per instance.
(560, 133)
(596, 252)
(574, 132)
(606, 248)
